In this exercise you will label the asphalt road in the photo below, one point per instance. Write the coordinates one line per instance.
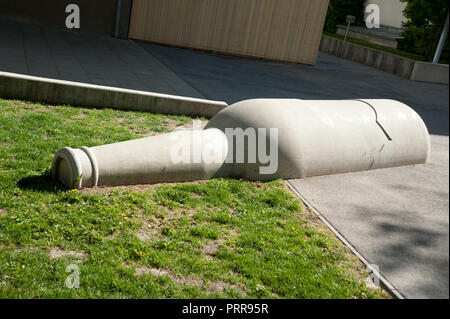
(396, 218)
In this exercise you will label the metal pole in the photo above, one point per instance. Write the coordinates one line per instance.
(119, 9)
(441, 44)
(346, 32)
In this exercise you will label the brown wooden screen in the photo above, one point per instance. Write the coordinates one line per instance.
(286, 30)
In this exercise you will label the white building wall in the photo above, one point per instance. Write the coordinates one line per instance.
(391, 12)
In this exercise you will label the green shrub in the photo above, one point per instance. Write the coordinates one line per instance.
(422, 31)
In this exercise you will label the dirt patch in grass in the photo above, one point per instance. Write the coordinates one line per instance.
(154, 271)
(105, 190)
(220, 286)
(44, 108)
(114, 235)
(152, 228)
(170, 214)
(312, 218)
(80, 116)
(210, 249)
(210, 287)
(133, 188)
(17, 249)
(121, 119)
(148, 233)
(173, 124)
(170, 125)
(188, 126)
(57, 252)
(3, 212)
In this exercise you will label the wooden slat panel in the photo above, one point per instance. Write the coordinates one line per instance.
(286, 30)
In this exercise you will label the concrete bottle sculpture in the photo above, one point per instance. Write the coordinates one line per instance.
(303, 138)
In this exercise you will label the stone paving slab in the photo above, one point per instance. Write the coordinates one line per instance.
(65, 55)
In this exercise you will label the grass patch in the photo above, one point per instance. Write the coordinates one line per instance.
(220, 238)
(398, 52)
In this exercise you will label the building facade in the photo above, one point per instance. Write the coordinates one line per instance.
(97, 16)
(391, 12)
(283, 30)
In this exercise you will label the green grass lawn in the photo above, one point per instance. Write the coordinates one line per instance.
(376, 46)
(220, 238)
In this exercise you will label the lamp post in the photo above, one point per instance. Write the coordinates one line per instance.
(441, 44)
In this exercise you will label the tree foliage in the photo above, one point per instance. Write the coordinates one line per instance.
(422, 31)
(339, 9)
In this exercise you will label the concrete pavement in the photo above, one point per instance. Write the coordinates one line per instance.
(65, 55)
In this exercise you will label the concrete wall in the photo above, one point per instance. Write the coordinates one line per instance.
(406, 68)
(97, 16)
(429, 72)
(391, 12)
(37, 89)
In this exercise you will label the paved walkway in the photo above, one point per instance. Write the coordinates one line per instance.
(65, 55)
(396, 218)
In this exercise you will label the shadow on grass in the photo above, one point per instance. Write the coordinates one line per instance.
(41, 183)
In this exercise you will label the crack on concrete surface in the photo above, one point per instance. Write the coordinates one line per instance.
(373, 162)
(376, 120)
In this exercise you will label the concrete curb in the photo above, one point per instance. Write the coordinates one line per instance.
(32, 88)
(430, 72)
(385, 284)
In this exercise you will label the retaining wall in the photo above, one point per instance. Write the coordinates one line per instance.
(406, 68)
(18, 86)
